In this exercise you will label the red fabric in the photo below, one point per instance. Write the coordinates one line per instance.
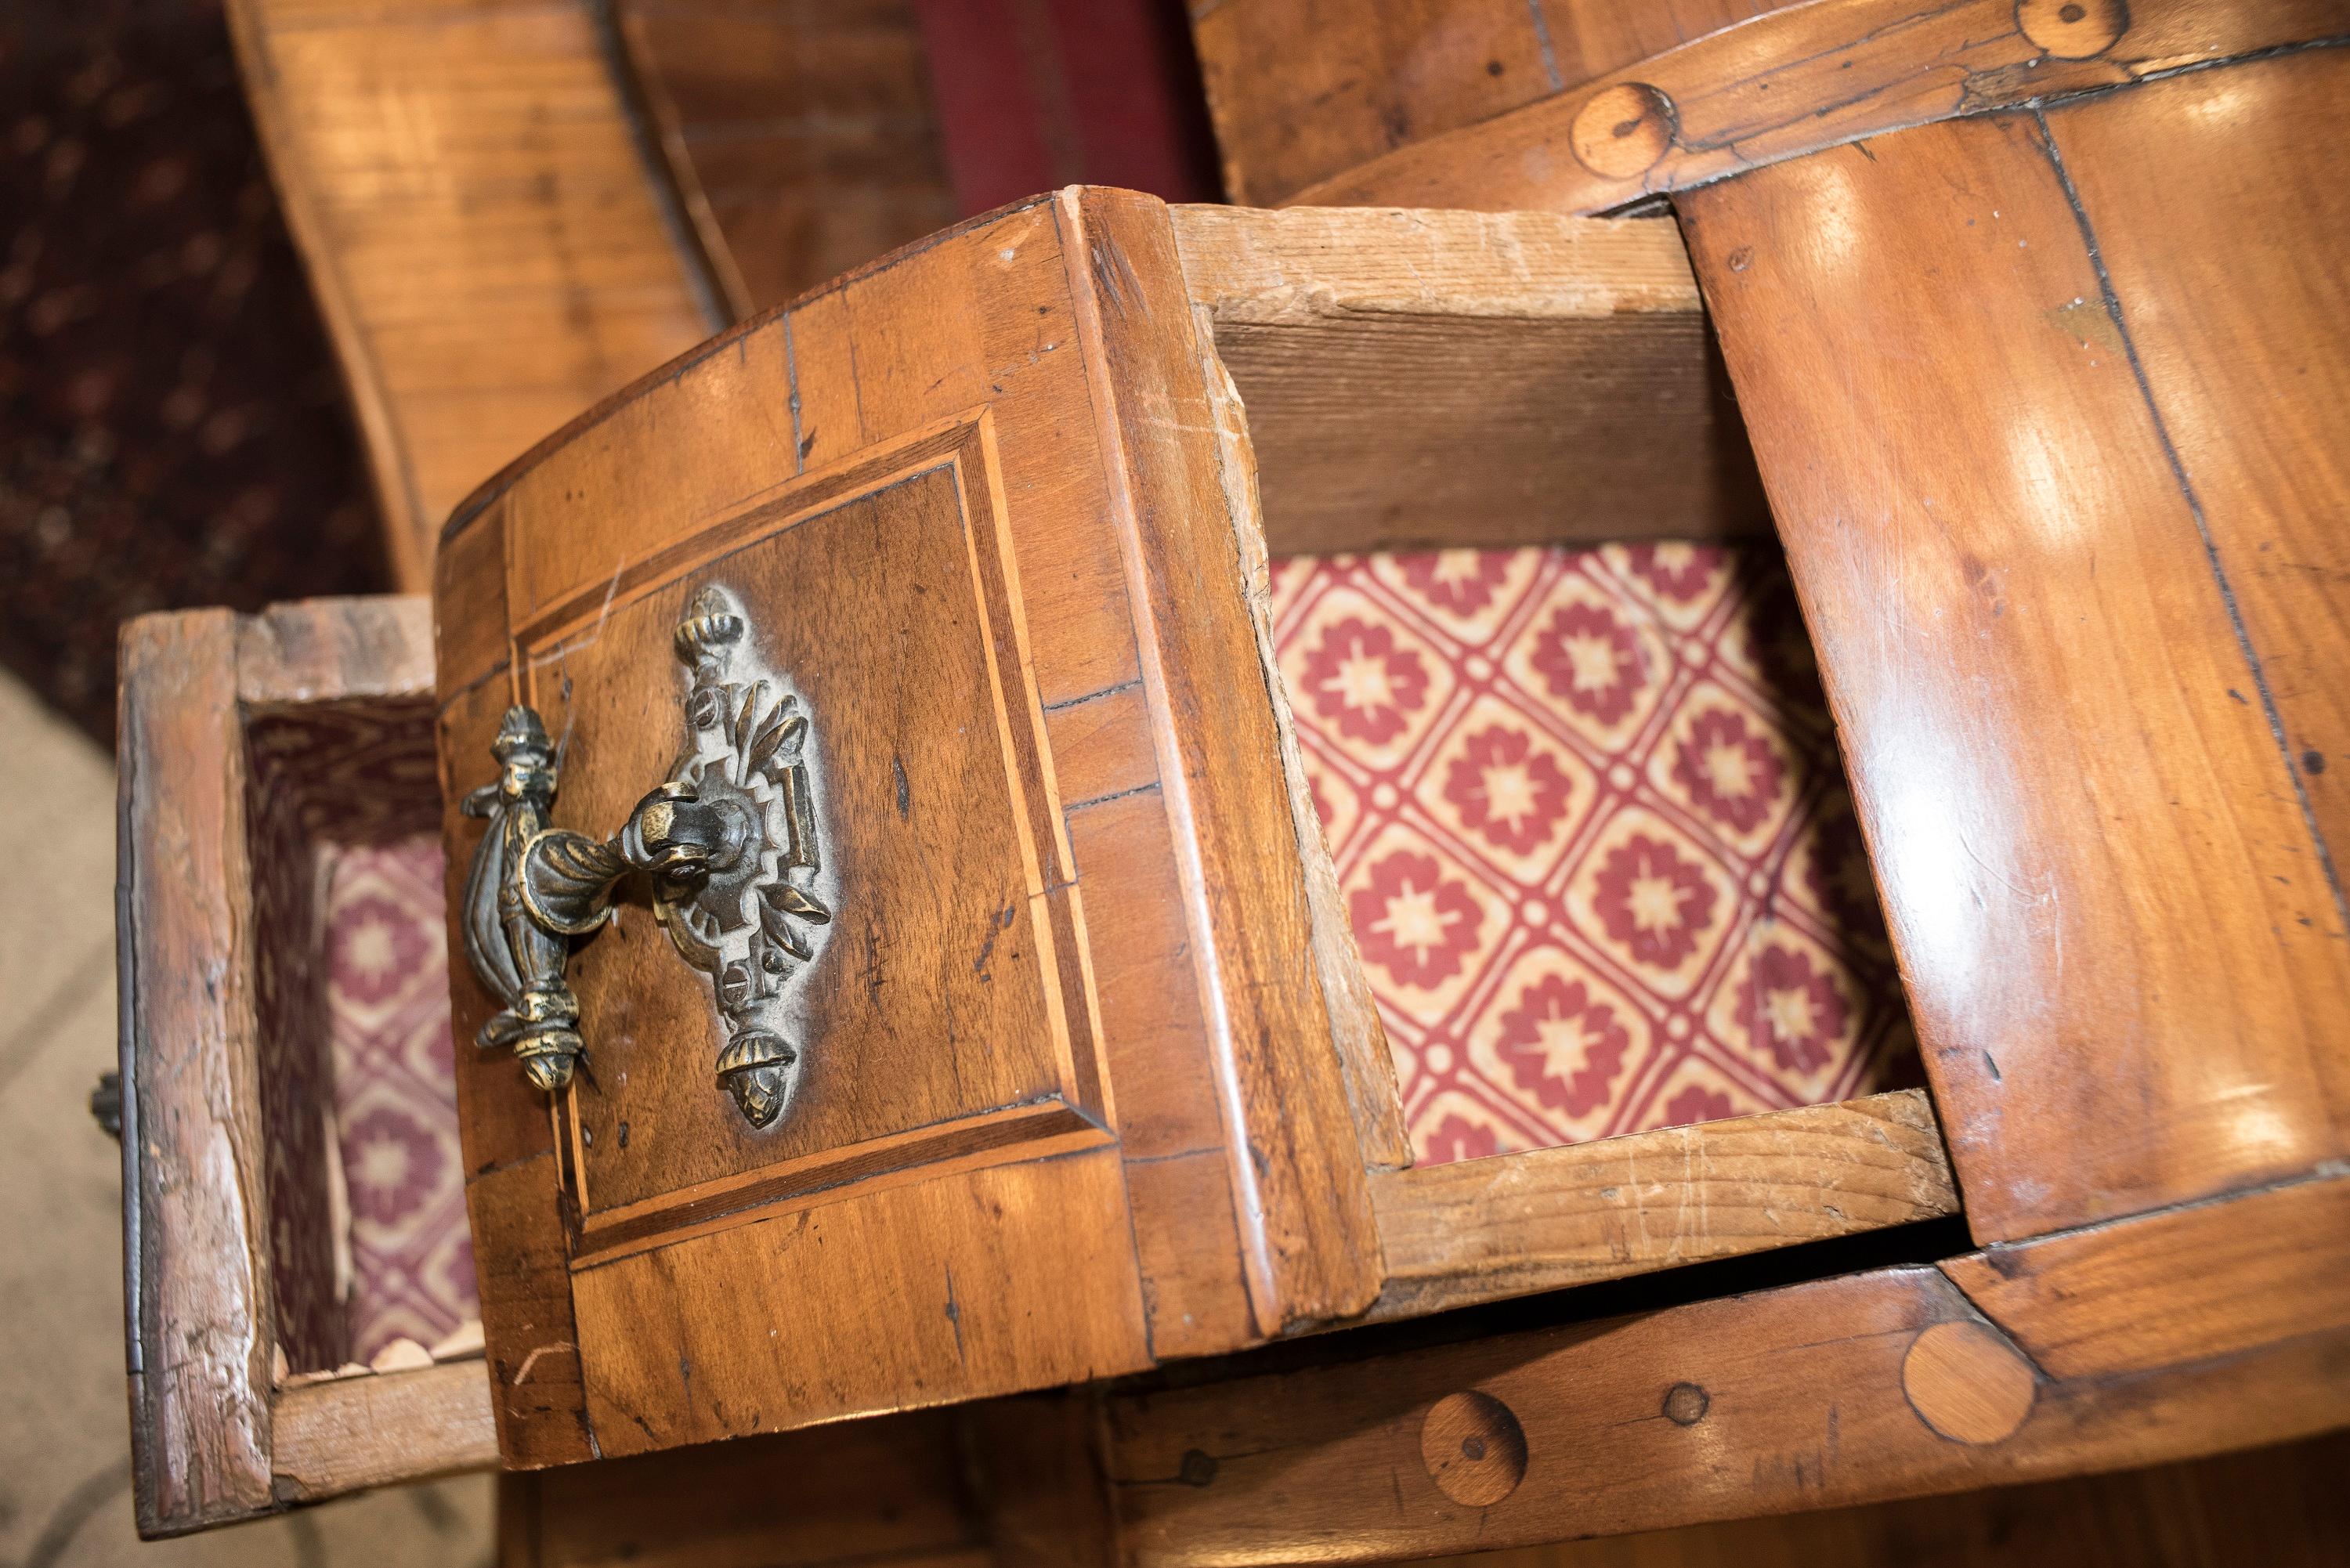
(1036, 94)
(1593, 838)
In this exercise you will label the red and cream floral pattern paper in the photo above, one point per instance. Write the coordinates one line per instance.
(1593, 838)
(395, 1096)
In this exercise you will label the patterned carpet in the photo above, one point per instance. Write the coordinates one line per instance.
(171, 429)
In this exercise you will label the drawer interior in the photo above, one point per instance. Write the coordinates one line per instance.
(1591, 836)
(405, 1263)
(284, 1066)
(373, 1264)
(1589, 871)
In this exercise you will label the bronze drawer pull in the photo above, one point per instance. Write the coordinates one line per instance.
(729, 842)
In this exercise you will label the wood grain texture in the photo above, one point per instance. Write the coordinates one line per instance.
(1969, 1382)
(354, 1433)
(1016, 1276)
(238, 741)
(2279, 1506)
(1302, 89)
(2203, 1282)
(1800, 79)
(194, 1220)
(1483, 1230)
(1432, 379)
(485, 236)
(2099, 876)
(1784, 1401)
(889, 1491)
(334, 651)
(1365, 1062)
(1029, 388)
(799, 133)
(937, 815)
(2217, 206)
(1297, 1170)
(1035, 1471)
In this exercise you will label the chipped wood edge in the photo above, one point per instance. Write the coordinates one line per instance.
(1364, 1056)
(1510, 1225)
(348, 1434)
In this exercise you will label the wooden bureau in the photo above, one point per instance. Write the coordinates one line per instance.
(979, 1023)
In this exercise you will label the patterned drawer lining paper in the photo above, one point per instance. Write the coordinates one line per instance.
(1590, 827)
(1593, 836)
(412, 1256)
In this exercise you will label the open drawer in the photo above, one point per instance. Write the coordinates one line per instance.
(257, 755)
(1006, 1027)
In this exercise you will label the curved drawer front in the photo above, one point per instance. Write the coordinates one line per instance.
(955, 1030)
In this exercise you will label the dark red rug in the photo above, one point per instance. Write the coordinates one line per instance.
(173, 431)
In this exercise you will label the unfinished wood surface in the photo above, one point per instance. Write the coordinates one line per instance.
(1303, 90)
(2207, 1281)
(1053, 1127)
(330, 1438)
(247, 744)
(2099, 870)
(195, 1224)
(1802, 79)
(337, 651)
(1778, 1402)
(1419, 378)
(2277, 1506)
(484, 236)
(1482, 1230)
(800, 133)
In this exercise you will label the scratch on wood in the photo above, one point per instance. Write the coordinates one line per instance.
(522, 1374)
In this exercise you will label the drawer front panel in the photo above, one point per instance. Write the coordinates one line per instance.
(941, 1012)
(1041, 1119)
